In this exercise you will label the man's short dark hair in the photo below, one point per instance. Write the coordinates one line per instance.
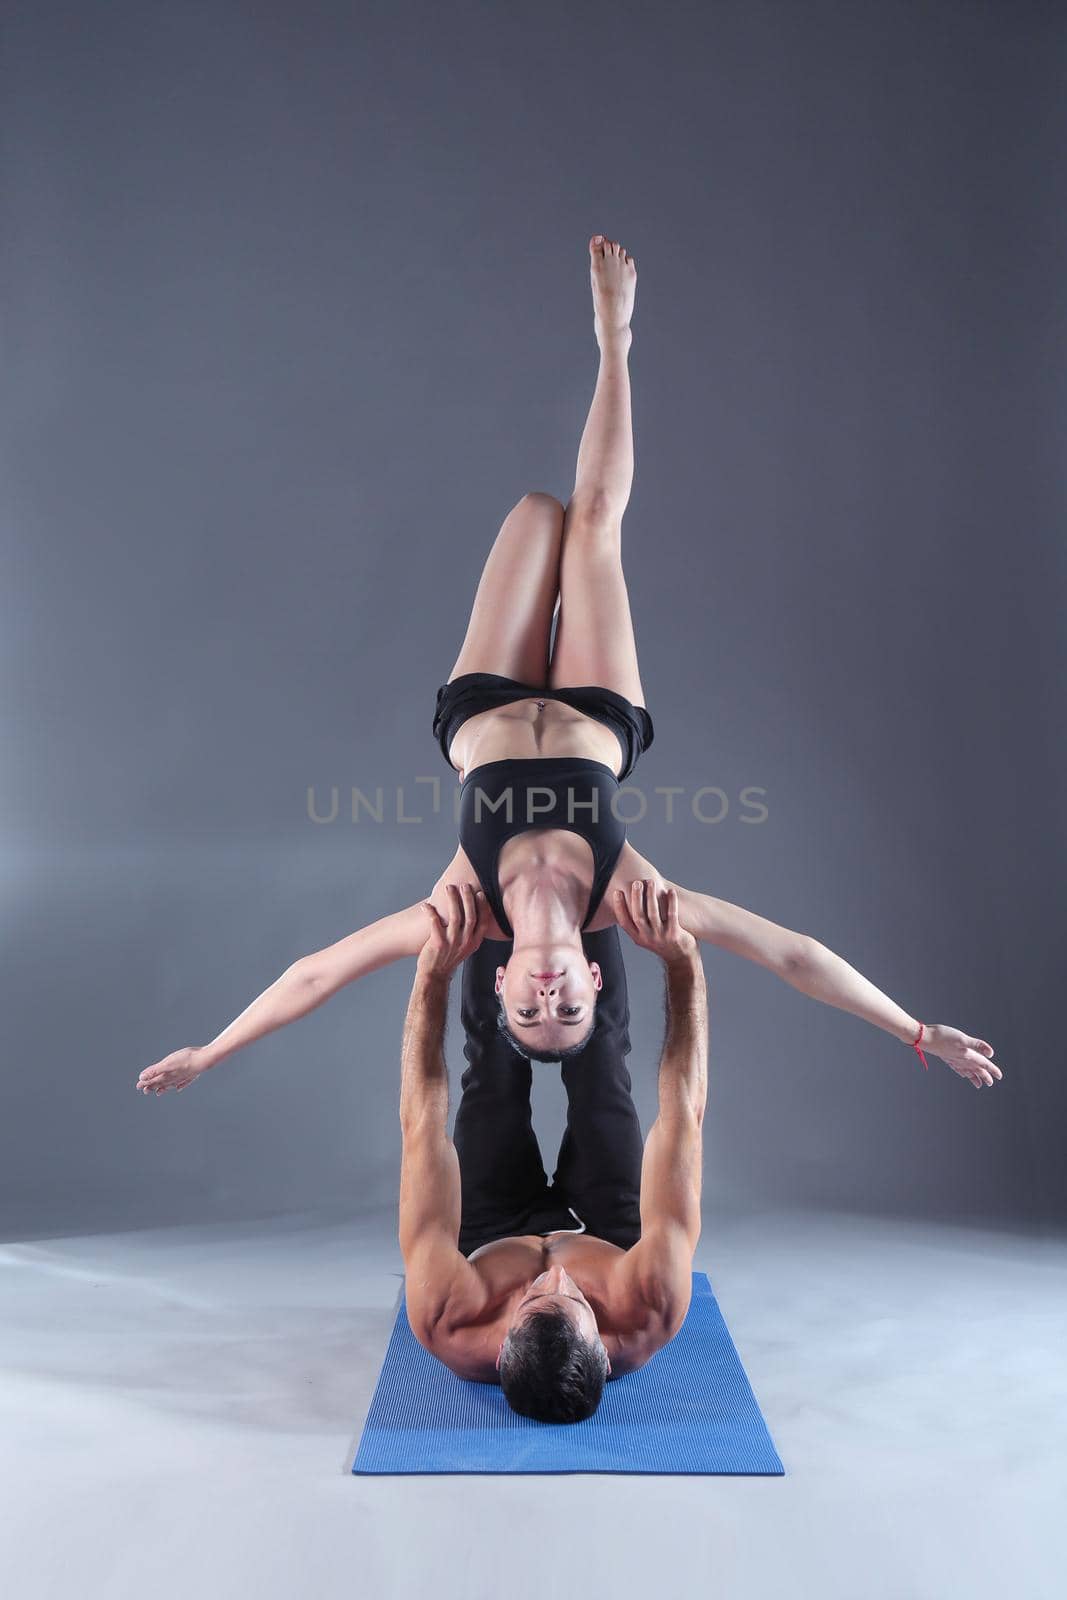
(550, 1371)
(528, 1050)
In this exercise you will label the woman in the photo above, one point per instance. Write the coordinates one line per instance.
(541, 729)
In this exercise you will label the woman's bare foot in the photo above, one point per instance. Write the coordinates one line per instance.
(614, 279)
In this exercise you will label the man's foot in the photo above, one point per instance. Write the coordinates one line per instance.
(614, 278)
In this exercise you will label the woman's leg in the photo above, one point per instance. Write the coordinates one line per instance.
(511, 620)
(594, 631)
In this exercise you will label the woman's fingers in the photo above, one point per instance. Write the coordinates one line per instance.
(987, 1070)
(981, 1053)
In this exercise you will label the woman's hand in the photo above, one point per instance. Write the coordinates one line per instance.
(970, 1058)
(449, 943)
(651, 920)
(175, 1071)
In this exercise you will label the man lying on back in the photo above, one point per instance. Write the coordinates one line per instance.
(551, 1317)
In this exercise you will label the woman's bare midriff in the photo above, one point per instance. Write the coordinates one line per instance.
(526, 729)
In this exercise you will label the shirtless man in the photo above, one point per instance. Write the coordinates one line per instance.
(550, 1316)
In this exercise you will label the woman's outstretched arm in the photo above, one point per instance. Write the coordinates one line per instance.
(821, 974)
(301, 988)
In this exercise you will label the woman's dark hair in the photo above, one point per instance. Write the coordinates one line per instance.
(549, 1371)
(542, 1055)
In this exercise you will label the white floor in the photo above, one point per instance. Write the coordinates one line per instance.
(179, 1410)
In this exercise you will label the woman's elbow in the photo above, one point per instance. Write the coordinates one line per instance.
(306, 973)
(798, 955)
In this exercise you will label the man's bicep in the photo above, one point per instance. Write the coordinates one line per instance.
(656, 1274)
(671, 1173)
(435, 1271)
(429, 1184)
(658, 1270)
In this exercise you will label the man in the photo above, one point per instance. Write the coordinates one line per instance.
(550, 1312)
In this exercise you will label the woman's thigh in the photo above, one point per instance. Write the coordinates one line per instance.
(594, 630)
(511, 619)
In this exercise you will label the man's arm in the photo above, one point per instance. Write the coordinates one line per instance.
(659, 1266)
(429, 1171)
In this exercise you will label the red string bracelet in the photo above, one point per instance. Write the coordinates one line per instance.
(917, 1042)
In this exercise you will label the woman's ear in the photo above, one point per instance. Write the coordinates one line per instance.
(598, 981)
(499, 984)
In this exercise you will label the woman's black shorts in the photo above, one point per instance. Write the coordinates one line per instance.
(472, 692)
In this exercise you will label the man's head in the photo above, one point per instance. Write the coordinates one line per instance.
(547, 997)
(552, 1362)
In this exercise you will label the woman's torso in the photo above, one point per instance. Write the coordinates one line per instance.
(566, 852)
(549, 821)
(533, 729)
(526, 729)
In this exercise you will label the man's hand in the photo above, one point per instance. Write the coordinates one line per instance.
(449, 943)
(651, 920)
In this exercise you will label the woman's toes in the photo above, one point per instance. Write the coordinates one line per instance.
(596, 244)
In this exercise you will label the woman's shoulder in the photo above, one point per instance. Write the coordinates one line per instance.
(460, 870)
(631, 864)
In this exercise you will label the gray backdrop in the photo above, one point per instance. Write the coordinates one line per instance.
(296, 305)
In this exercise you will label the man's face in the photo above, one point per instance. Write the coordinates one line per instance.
(549, 994)
(555, 1289)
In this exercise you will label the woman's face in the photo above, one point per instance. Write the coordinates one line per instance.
(549, 994)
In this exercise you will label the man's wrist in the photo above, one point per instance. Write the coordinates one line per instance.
(432, 979)
(683, 966)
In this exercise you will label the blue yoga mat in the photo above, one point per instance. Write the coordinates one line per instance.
(689, 1410)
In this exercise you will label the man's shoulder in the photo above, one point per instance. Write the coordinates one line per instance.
(446, 1305)
(653, 1284)
(462, 1336)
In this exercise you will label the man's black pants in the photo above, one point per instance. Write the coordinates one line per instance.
(598, 1169)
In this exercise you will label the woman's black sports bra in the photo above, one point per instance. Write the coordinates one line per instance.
(502, 798)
